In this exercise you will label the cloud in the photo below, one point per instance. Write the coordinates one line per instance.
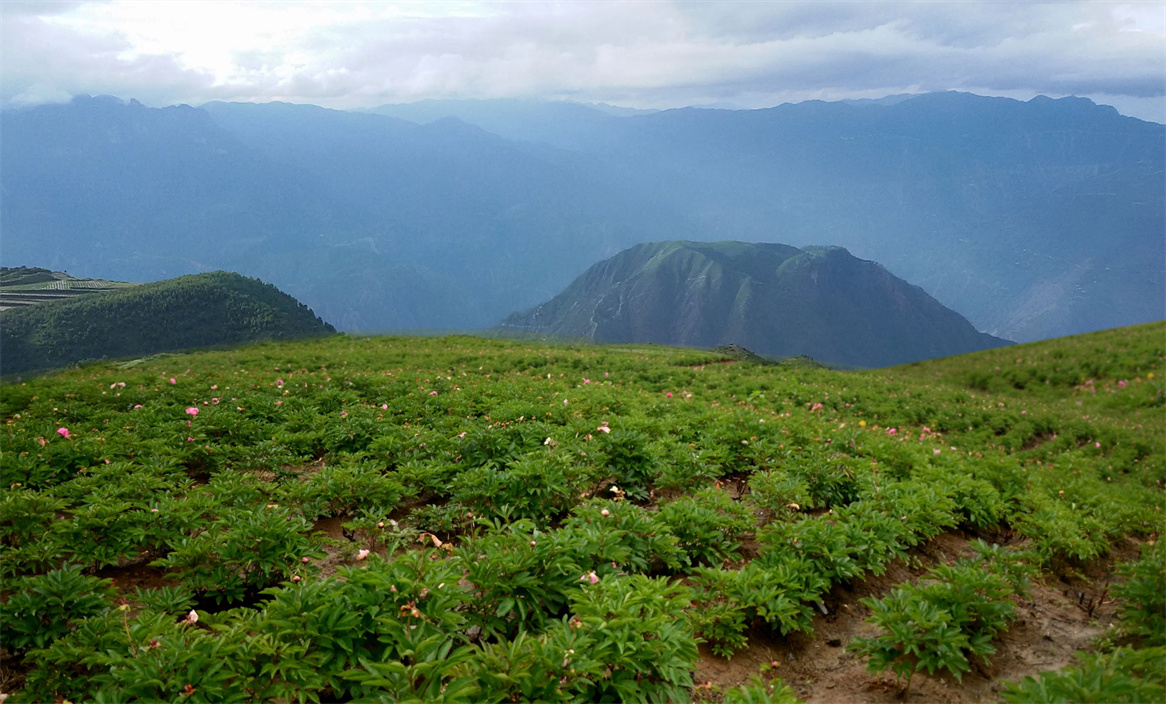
(642, 54)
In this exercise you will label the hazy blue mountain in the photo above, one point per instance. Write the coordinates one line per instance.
(561, 123)
(1032, 219)
(501, 221)
(189, 311)
(773, 299)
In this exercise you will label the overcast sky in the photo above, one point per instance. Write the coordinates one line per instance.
(636, 54)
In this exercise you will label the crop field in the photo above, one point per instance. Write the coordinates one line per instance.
(471, 520)
(29, 287)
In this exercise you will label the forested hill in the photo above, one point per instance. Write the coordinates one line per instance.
(774, 299)
(186, 312)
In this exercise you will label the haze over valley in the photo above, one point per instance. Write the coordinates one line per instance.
(1032, 219)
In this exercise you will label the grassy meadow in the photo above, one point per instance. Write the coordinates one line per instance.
(464, 519)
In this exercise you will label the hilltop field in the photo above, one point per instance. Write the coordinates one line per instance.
(470, 520)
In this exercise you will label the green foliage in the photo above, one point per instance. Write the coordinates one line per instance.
(760, 691)
(522, 578)
(235, 558)
(1143, 597)
(706, 525)
(952, 615)
(1125, 676)
(46, 607)
(607, 536)
(631, 636)
(345, 435)
(190, 311)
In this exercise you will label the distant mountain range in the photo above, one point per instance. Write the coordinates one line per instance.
(1032, 219)
(190, 311)
(773, 299)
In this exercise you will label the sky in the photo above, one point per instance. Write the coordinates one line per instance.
(634, 54)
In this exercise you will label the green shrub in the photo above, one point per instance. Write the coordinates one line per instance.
(707, 525)
(952, 615)
(44, 608)
(631, 638)
(1143, 610)
(1123, 676)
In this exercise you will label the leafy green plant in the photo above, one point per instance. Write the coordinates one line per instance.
(625, 455)
(760, 691)
(44, 608)
(521, 578)
(937, 625)
(707, 525)
(1144, 600)
(242, 555)
(1124, 676)
(608, 536)
(631, 635)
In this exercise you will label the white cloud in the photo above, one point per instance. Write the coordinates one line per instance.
(646, 54)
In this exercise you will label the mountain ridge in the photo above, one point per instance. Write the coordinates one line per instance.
(774, 299)
(1033, 219)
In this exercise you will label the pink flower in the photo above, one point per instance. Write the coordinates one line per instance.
(935, 452)
(192, 617)
(189, 439)
(1122, 382)
(192, 411)
(173, 380)
(669, 394)
(604, 428)
(215, 401)
(891, 431)
(296, 578)
(605, 512)
(432, 393)
(1097, 444)
(586, 381)
(590, 577)
(304, 560)
(137, 406)
(214, 386)
(63, 432)
(362, 554)
(384, 406)
(343, 414)
(279, 382)
(279, 403)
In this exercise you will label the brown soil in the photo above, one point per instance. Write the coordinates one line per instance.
(1048, 630)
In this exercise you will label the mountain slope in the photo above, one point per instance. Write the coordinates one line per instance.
(189, 311)
(774, 299)
(1033, 219)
